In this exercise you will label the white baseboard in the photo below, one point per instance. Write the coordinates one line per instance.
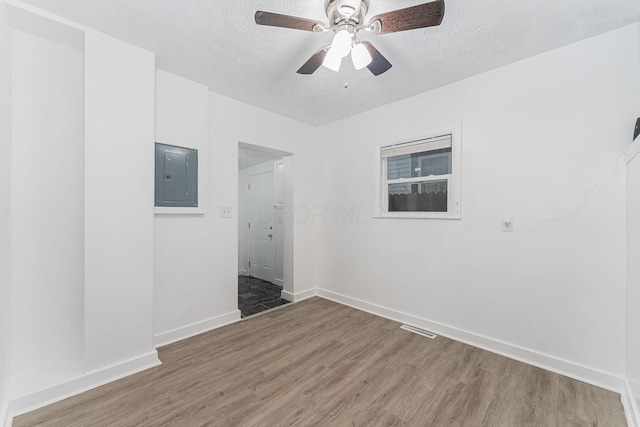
(197, 328)
(631, 410)
(298, 296)
(278, 282)
(4, 414)
(90, 380)
(242, 272)
(551, 363)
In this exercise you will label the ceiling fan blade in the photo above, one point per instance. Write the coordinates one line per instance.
(286, 21)
(411, 18)
(379, 63)
(315, 61)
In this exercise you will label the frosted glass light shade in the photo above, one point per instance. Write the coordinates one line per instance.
(333, 60)
(341, 44)
(360, 56)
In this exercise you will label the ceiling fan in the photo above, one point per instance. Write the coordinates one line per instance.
(346, 18)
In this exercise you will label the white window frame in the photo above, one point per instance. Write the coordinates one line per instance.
(454, 200)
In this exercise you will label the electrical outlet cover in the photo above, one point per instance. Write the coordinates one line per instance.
(225, 212)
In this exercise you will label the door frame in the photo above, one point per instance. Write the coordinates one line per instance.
(276, 226)
(288, 279)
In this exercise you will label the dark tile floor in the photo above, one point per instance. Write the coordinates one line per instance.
(255, 295)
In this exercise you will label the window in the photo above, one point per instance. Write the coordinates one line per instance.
(421, 178)
(176, 176)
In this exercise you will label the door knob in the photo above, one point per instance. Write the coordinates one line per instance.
(270, 236)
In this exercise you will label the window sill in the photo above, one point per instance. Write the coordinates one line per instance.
(178, 211)
(417, 215)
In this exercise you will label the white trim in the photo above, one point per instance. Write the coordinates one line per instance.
(630, 406)
(416, 215)
(272, 309)
(90, 380)
(632, 151)
(197, 328)
(47, 15)
(560, 366)
(424, 145)
(420, 179)
(298, 296)
(631, 410)
(278, 205)
(165, 210)
(242, 272)
(5, 420)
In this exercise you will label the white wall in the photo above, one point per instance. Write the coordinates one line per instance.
(47, 212)
(182, 275)
(5, 205)
(119, 174)
(538, 136)
(82, 213)
(196, 256)
(633, 263)
(182, 119)
(232, 122)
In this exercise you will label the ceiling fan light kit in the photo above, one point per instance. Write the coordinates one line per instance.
(360, 56)
(341, 44)
(345, 43)
(346, 18)
(332, 60)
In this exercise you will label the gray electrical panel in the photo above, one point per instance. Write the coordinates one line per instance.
(176, 176)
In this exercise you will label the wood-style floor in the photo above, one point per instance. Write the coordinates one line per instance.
(318, 363)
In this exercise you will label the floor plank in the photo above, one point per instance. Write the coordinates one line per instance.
(322, 363)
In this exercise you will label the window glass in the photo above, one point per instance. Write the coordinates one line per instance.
(425, 163)
(430, 196)
(420, 178)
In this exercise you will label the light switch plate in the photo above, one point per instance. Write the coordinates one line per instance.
(508, 223)
(225, 212)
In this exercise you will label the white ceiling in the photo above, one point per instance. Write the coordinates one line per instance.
(218, 44)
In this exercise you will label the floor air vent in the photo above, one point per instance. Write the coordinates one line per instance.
(419, 331)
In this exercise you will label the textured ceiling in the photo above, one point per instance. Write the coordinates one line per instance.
(218, 44)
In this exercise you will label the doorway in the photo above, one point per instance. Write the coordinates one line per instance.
(265, 194)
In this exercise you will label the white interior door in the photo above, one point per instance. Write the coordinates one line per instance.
(278, 275)
(261, 224)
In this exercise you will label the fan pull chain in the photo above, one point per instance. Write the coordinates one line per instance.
(346, 83)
